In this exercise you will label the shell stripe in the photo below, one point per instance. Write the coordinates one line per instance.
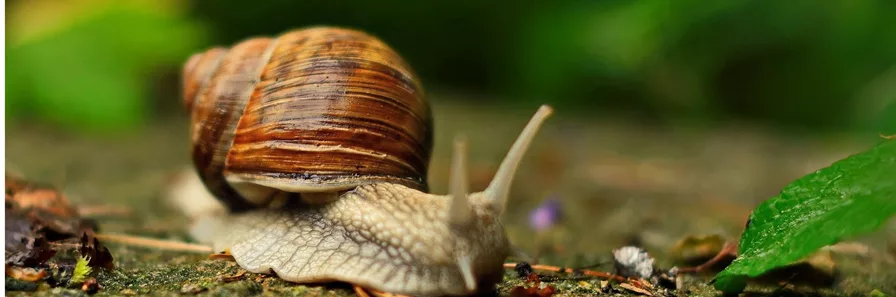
(341, 98)
(218, 108)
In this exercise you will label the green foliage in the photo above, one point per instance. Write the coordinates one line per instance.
(93, 68)
(674, 60)
(761, 60)
(852, 196)
(668, 60)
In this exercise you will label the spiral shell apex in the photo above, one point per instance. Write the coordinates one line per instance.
(317, 110)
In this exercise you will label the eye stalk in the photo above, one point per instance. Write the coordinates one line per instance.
(460, 214)
(500, 186)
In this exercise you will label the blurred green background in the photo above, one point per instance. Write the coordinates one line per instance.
(109, 66)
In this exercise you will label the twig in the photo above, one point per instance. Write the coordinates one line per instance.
(729, 249)
(65, 245)
(232, 278)
(377, 293)
(598, 274)
(103, 210)
(363, 292)
(155, 243)
(360, 291)
(150, 227)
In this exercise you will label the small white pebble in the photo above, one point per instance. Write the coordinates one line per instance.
(633, 261)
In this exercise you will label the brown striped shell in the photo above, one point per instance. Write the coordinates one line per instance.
(316, 110)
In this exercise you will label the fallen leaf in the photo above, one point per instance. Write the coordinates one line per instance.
(25, 273)
(192, 289)
(817, 270)
(232, 278)
(635, 289)
(24, 246)
(48, 210)
(40, 220)
(28, 195)
(694, 248)
(823, 261)
(605, 286)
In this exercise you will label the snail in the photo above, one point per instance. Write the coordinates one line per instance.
(266, 116)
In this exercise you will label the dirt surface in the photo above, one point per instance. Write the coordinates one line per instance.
(617, 183)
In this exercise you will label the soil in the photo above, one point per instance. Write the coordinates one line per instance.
(618, 183)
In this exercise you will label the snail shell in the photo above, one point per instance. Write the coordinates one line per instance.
(313, 111)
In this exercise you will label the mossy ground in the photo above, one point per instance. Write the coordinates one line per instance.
(619, 183)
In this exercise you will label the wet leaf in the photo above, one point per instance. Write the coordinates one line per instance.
(24, 246)
(852, 196)
(38, 215)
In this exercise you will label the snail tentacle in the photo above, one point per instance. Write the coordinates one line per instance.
(460, 214)
(500, 186)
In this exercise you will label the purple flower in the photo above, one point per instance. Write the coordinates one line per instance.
(545, 215)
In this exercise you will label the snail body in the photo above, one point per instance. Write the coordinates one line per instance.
(373, 225)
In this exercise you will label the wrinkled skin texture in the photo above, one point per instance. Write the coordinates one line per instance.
(382, 236)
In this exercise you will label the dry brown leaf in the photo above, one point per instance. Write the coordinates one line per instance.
(98, 254)
(818, 269)
(232, 278)
(24, 246)
(25, 273)
(27, 195)
(635, 289)
(695, 248)
(39, 215)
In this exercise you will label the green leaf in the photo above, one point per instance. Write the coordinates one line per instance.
(852, 196)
